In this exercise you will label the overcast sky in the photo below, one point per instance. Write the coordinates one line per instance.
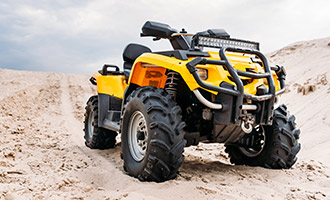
(79, 36)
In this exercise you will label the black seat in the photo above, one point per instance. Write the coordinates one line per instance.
(131, 52)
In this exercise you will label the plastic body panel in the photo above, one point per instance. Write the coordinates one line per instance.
(113, 85)
(154, 74)
(216, 74)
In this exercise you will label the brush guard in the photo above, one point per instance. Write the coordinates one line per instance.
(238, 91)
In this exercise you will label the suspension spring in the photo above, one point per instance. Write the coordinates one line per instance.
(172, 82)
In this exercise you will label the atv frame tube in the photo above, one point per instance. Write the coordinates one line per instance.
(281, 73)
(239, 90)
(205, 101)
(218, 106)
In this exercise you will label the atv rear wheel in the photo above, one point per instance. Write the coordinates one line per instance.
(96, 137)
(275, 146)
(152, 137)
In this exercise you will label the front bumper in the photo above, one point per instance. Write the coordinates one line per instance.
(231, 97)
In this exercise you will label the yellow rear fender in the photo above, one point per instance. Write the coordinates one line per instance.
(113, 85)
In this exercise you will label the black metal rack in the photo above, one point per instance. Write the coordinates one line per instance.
(239, 90)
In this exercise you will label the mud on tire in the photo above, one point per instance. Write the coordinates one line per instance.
(96, 137)
(165, 143)
(281, 144)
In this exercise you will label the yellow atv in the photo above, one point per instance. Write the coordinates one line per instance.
(164, 101)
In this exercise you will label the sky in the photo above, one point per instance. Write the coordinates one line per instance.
(79, 36)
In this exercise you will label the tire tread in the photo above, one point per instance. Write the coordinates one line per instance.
(101, 138)
(281, 147)
(166, 131)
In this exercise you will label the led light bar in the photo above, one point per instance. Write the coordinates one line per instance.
(221, 42)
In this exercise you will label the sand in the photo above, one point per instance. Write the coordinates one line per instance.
(43, 156)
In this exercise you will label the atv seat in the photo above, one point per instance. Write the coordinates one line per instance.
(131, 52)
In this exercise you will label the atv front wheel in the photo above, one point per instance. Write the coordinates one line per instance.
(96, 137)
(152, 137)
(273, 146)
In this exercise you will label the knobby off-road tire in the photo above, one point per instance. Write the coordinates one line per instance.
(280, 144)
(96, 137)
(152, 119)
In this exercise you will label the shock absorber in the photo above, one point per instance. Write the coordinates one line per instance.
(172, 82)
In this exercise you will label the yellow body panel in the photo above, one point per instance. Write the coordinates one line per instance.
(216, 73)
(149, 70)
(113, 85)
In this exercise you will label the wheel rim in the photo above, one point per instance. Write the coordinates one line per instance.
(90, 125)
(137, 136)
(260, 142)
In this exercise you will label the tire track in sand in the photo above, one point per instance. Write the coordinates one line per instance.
(107, 162)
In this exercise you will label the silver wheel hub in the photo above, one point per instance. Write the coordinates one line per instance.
(90, 125)
(137, 136)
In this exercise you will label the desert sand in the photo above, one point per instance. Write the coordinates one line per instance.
(43, 156)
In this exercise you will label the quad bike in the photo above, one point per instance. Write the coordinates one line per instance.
(164, 101)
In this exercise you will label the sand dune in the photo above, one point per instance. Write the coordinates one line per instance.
(43, 156)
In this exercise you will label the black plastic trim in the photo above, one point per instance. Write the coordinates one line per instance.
(183, 54)
(180, 43)
(107, 106)
(103, 107)
(156, 29)
(105, 71)
(106, 66)
(93, 80)
(281, 74)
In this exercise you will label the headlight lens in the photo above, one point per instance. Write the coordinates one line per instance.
(202, 73)
(224, 42)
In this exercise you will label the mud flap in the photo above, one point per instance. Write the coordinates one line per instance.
(109, 111)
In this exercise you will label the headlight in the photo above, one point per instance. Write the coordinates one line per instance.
(222, 42)
(202, 73)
